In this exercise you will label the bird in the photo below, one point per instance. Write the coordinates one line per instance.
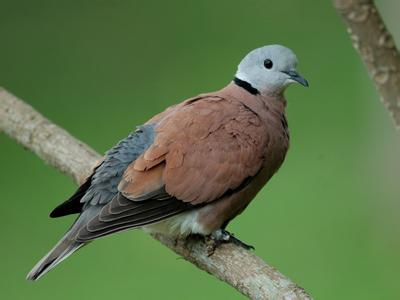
(192, 168)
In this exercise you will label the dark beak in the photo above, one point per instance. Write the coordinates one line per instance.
(297, 77)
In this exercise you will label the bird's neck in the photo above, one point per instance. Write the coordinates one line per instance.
(244, 92)
(247, 86)
(278, 94)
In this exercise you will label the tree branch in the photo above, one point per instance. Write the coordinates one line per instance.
(240, 268)
(377, 49)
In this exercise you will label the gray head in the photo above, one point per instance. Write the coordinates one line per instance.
(270, 69)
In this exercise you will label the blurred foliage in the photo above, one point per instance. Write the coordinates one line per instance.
(329, 219)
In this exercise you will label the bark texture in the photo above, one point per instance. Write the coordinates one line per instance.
(240, 268)
(377, 49)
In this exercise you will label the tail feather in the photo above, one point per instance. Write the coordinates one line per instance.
(64, 248)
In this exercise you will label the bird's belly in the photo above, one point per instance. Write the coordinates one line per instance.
(180, 225)
(210, 217)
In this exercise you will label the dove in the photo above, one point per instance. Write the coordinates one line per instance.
(192, 168)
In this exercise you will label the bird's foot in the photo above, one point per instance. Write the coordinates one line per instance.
(236, 241)
(211, 244)
(222, 236)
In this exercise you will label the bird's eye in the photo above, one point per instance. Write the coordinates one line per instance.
(268, 63)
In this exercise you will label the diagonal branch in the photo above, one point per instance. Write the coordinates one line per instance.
(240, 268)
(377, 49)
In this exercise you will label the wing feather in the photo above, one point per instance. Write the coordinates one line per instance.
(201, 151)
(134, 215)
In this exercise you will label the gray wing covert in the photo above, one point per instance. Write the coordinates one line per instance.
(102, 185)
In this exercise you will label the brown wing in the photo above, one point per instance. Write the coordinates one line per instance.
(202, 150)
(208, 147)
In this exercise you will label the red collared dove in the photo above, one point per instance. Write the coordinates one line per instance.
(192, 168)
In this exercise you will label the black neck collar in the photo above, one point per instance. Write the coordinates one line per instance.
(247, 86)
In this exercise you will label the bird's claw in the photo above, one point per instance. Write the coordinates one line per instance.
(238, 242)
(211, 245)
(222, 236)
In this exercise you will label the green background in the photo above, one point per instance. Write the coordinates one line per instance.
(329, 219)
